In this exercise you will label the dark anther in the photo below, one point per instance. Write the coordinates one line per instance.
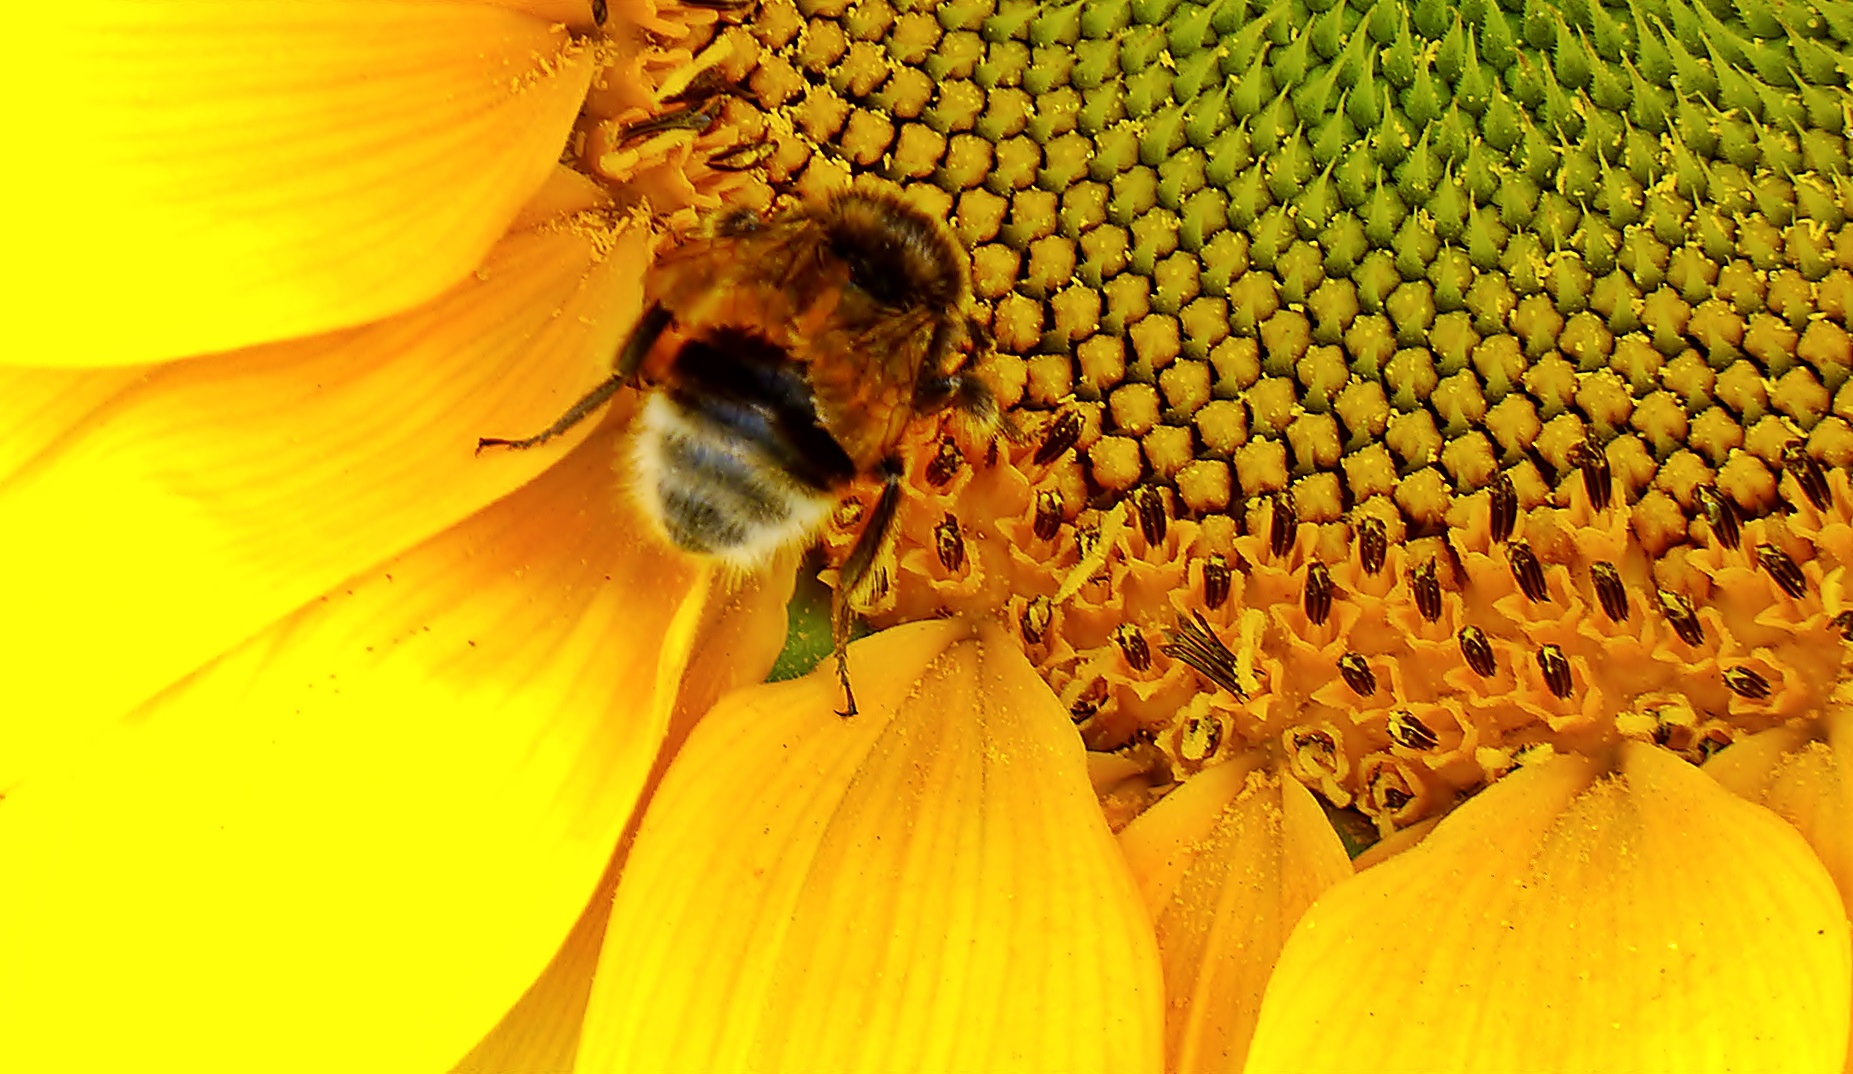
(598, 12)
(1786, 572)
(1721, 512)
(1356, 672)
(1556, 668)
(707, 84)
(1746, 683)
(1048, 514)
(949, 543)
(1526, 570)
(1713, 741)
(1390, 789)
(1089, 701)
(1035, 619)
(698, 118)
(1149, 504)
(1062, 435)
(1373, 544)
(1478, 651)
(1411, 733)
(1215, 580)
(1679, 612)
(1317, 600)
(1594, 463)
(1323, 751)
(1194, 643)
(1283, 526)
(1198, 739)
(1427, 588)
(1086, 539)
(1504, 513)
(1132, 644)
(1610, 591)
(945, 464)
(742, 157)
(1844, 623)
(1807, 472)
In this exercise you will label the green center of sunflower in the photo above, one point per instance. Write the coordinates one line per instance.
(1408, 387)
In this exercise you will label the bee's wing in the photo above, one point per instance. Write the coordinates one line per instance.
(863, 383)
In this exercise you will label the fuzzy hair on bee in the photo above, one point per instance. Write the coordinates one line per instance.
(784, 357)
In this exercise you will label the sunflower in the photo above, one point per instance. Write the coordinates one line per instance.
(1432, 428)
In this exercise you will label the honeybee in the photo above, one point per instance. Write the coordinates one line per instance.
(785, 357)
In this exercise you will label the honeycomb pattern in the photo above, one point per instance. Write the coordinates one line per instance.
(1478, 373)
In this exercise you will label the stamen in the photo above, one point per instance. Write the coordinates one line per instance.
(1427, 591)
(1610, 592)
(1746, 683)
(1807, 473)
(1373, 545)
(1556, 668)
(1527, 571)
(1410, 733)
(950, 543)
(1062, 435)
(1722, 514)
(1503, 515)
(1317, 600)
(1782, 570)
(946, 463)
(1478, 652)
(1132, 645)
(1679, 612)
(1356, 672)
(1193, 642)
(1049, 515)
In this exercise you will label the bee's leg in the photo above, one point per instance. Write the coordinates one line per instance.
(859, 569)
(649, 327)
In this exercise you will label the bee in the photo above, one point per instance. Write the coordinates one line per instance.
(784, 357)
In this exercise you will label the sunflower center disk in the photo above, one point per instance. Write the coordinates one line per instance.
(1408, 386)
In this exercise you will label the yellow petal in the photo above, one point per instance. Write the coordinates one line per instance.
(1227, 863)
(1805, 780)
(352, 842)
(1565, 921)
(199, 177)
(740, 637)
(202, 503)
(926, 886)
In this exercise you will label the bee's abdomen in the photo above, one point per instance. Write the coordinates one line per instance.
(749, 390)
(730, 458)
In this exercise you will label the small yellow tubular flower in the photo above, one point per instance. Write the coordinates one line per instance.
(211, 176)
(1568, 919)
(927, 886)
(1228, 862)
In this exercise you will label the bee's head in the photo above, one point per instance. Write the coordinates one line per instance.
(895, 253)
